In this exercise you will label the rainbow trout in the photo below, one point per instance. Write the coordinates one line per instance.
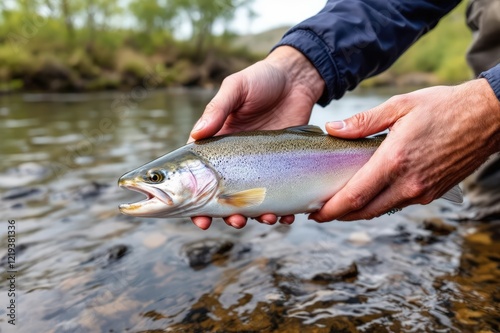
(289, 171)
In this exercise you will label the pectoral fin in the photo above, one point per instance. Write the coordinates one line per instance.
(246, 198)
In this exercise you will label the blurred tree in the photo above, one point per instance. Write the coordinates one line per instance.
(99, 14)
(154, 15)
(68, 16)
(203, 15)
(65, 10)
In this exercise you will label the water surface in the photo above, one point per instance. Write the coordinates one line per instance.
(84, 267)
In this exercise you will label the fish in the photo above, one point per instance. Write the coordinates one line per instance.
(289, 171)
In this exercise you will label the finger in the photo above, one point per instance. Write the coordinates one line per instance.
(366, 184)
(269, 219)
(387, 200)
(366, 123)
(236, 221)
(287, 219)
(228, 99)
(202, 222)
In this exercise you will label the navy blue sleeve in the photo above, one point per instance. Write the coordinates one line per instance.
(350, 40)
(493, 77)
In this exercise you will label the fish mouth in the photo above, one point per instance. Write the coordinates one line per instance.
(152, 194)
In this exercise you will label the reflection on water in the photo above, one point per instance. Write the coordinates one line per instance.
(83, 267)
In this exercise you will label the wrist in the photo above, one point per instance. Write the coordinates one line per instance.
(300, 71)
(492, 108)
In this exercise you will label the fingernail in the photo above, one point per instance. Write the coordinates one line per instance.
(337, 125)
(266, 222)
(199, 125)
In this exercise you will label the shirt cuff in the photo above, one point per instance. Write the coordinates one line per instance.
(493, 77)
(314, 49)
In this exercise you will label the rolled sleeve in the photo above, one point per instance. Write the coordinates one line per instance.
(350, 40)
(493, 77)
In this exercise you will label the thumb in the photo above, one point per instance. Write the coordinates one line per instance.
(227, 99)
(365, 123)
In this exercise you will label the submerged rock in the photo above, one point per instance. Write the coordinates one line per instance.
(109, 256)
(341, 274)
(91, 190)
(317, 267)
(202, 253)
(438, 227)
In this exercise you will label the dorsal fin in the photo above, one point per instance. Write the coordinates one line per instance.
(305, 129)
(379, 136)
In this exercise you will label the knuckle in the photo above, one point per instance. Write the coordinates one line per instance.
(211, 106)
(229, 80)
(398, 162)
(401, 103)
(361, 120)
(426, 199)
(233, 82)
(416, 189)
(399, 99)
(356, 200)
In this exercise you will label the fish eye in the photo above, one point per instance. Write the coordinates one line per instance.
(155, 176)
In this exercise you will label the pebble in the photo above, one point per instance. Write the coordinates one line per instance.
(110, 255)
(359, 238)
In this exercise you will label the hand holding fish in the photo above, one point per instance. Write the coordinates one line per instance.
(275, 93)
(438, 136)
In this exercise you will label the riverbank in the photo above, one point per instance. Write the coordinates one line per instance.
(49, 60)
(88, 68)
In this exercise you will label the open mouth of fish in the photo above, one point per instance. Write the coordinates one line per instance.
(152, 195)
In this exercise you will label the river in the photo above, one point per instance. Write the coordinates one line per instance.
(81, 266)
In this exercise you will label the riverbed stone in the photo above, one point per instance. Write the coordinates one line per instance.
(202, 253)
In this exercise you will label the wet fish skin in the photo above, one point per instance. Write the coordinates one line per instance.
(290, 171)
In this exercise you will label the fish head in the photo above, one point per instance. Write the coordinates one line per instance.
(174, 185)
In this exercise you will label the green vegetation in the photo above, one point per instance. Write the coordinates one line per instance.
(437, 58)
(75, 45)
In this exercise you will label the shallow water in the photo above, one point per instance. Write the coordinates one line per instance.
(83, 267)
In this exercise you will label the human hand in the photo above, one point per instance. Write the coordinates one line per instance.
(274, 93)
(437, 137)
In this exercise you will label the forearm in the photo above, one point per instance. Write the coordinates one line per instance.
(350, 40)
